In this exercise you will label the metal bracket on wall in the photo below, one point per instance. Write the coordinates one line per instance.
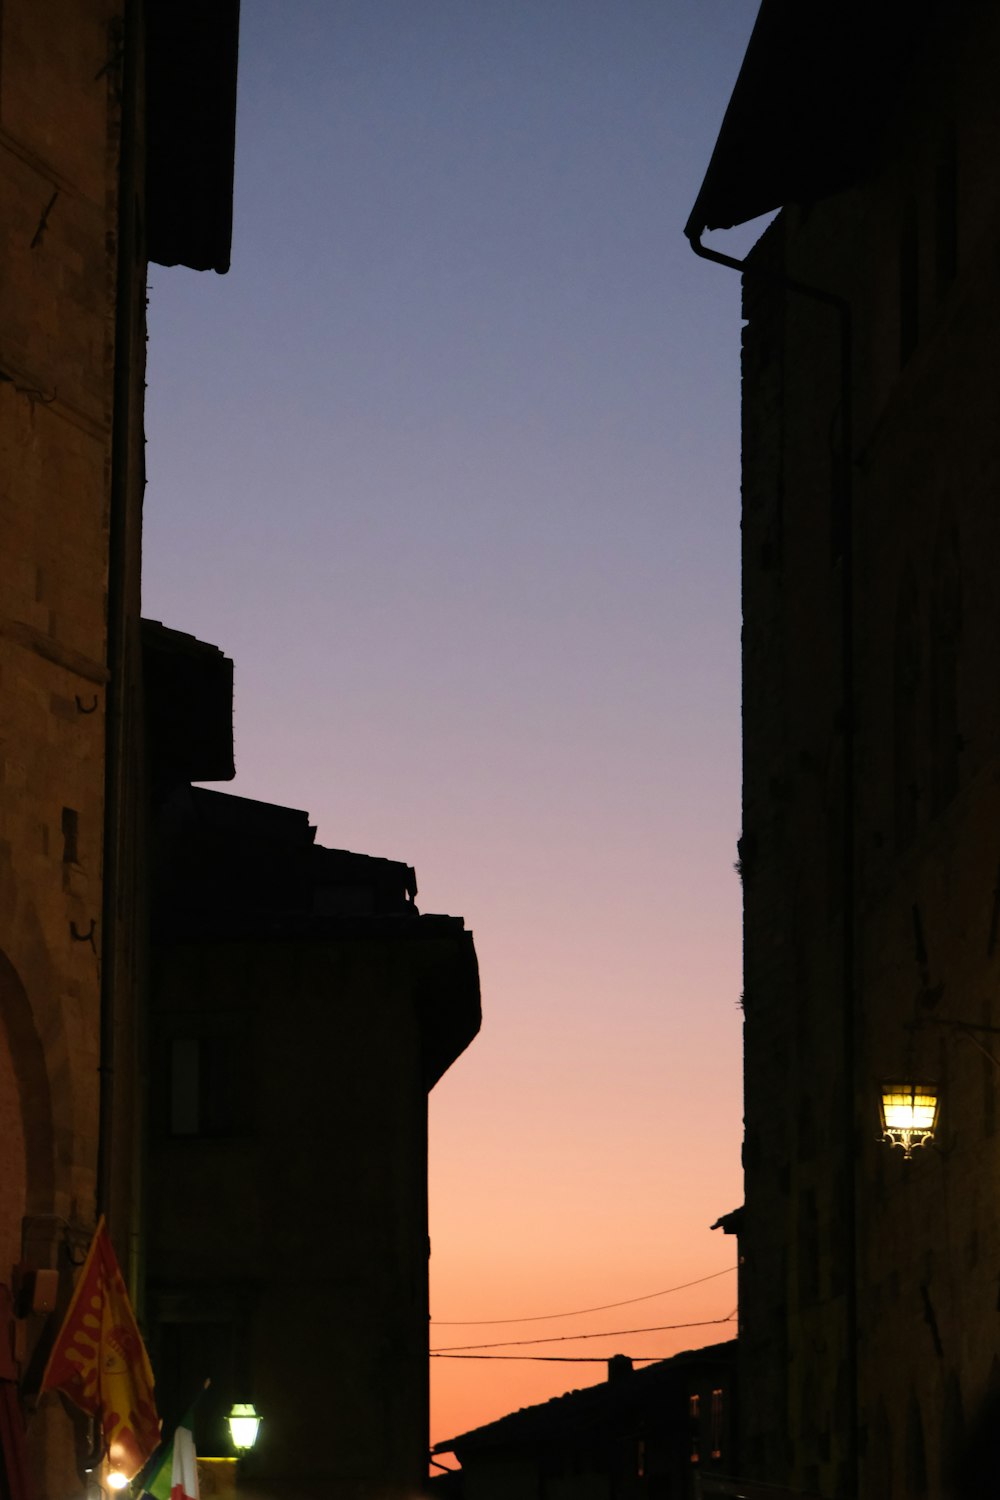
(84, 937)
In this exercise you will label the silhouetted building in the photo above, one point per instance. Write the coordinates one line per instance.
(871, 644)
(301, 1011)
(116, 147)
(300, 1008)
(643, 1435)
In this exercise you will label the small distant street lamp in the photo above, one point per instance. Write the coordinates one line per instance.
(243, 1425)
(909, 1114)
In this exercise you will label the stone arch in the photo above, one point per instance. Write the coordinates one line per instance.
(13, 1171)
(31, 1078)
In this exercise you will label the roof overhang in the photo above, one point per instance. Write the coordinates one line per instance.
(191, 51)
(818, 82)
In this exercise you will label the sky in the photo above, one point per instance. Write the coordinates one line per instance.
(448, 464)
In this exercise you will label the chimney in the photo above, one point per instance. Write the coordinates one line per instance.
(619, 1368)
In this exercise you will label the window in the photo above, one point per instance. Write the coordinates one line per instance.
(808, 1248)
(909, 282)
(694, 1412)
(716, 1421)
(945, 633)
(907, 673)
(946, 215)
(187, 1354)
(185, 1085)
(208, 1084)
(71, 836)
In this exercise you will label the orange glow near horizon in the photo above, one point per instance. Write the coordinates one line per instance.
(586, 1174)
(465, 1393)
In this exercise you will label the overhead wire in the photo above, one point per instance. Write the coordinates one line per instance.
(570, 1338)
(569, 1359)
(560, 1359)
(580, 1311)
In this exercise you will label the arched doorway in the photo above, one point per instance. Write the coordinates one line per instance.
(26, 1160)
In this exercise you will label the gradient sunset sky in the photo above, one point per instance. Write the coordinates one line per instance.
(448, 463)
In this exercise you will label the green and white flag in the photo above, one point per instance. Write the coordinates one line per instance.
(174, 1472)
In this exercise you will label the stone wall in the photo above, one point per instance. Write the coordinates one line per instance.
(913, 251)
(288, 1218)
(69, 97)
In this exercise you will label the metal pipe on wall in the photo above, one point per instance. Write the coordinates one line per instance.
(848, 851)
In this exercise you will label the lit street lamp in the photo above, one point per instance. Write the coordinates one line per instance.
(909, 1114)
(243, 1425)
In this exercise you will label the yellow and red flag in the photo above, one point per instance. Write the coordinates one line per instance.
(100, 1362)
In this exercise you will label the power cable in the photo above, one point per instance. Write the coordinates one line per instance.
(567, 1359)
(605, 1307)
(559, 1359)
(570, 1338)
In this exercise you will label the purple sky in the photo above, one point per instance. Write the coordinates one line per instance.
(448, 463)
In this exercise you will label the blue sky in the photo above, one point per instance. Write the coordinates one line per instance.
(448, 463)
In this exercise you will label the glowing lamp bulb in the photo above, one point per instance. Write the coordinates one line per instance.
(117, 1480)
(909, 1114)
(243, 1425)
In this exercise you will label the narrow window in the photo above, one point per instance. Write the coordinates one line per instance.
(945, 632)
(185, 1085)
(694, 1412)
(946, 216)
(909, 282)
(70, 833)
(716, 1418)
(906, 680)
(840, 486)
(808, 1246)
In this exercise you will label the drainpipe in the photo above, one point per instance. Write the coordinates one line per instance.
(121, 938)
(848, 851)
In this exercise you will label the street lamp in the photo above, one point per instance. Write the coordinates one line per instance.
(243, 1425)
(909, 1114)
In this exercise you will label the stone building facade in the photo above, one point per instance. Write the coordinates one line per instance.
(659, 1433)
(288, 1003)
(869, 853)
(302, 1009)
(288, 1006)
(101, 102)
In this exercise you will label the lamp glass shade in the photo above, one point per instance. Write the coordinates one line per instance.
(909, 1114)
(243, 1425)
